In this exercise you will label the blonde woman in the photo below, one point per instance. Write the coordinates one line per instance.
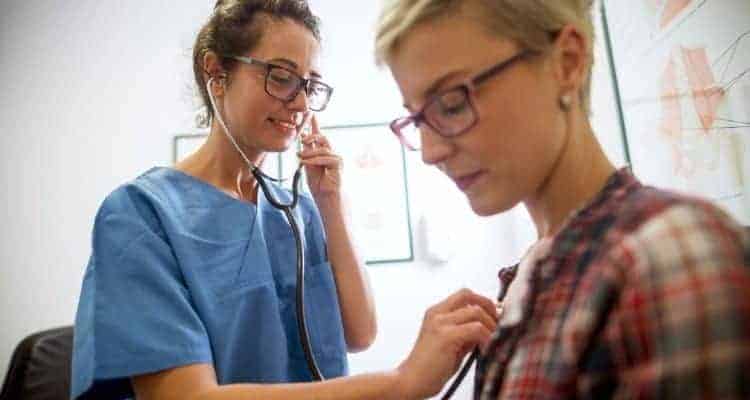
(630, 291)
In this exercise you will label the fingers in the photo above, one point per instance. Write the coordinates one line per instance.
(314, 124)
(312, 136)
(470, 313)
(330, 162)
(463, 298)
(316, 152)
(450, 330)
(314, 140)
(470, 335)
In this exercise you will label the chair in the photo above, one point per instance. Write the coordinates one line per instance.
(40, 367)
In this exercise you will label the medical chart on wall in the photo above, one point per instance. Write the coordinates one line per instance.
(374, 177)
(683, 72)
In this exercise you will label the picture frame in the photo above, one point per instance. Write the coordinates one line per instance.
(375, 183)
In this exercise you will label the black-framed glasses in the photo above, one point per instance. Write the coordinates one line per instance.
(284, 84)
(450, 112)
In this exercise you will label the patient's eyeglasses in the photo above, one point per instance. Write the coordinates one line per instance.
(284, 84)
(450, 112)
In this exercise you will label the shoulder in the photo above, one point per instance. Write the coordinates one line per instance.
(652, 214)
(662, 233)
(141, 203)
(134, 197)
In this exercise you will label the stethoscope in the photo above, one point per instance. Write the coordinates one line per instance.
(288, 210)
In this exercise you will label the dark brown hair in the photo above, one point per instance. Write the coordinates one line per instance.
(236, 26)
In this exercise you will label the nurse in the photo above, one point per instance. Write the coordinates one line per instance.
(192, 271)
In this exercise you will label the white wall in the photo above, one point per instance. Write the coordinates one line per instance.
(93, 93)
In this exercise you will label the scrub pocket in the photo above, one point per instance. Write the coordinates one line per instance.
(322, 310)
(323, 317)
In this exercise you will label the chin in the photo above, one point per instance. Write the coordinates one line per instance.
(280, 147)
(486, 207)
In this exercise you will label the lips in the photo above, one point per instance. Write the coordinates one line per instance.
(464, 182)
(285, 126)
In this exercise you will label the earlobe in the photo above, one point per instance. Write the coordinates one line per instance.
(216, 84)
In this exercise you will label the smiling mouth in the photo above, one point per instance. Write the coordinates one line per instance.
(283, 124)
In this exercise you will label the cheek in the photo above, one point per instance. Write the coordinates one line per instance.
(249, 107)
(519, 138)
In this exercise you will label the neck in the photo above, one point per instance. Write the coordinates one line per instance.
(219, 163)
(581, 172)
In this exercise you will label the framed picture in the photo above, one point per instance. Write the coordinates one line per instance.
(375, 184)
(682, 75)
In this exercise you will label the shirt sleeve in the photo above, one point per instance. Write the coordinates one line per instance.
(135, 315)
(691, 293)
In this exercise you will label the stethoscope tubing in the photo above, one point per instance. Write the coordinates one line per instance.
(288, 210)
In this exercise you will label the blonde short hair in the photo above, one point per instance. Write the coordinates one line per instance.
(530, 23)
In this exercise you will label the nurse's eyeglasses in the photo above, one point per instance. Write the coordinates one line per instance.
(450, 112)
(285, 85)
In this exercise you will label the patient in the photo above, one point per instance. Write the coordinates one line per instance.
(630, 291)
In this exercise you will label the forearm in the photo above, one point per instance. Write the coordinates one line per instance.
(352, 284)
(361, 387)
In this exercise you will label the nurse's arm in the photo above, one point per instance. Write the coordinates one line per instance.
(352, 283)
(198, 382)
(450, 330)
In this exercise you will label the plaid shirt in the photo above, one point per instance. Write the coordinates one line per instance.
(644, 294)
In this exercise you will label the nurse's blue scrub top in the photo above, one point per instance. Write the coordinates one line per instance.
(181, 273)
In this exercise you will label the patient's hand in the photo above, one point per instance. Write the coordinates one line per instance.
(450, 330)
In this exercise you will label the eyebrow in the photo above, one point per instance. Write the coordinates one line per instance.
(436, 85)
(290, 63)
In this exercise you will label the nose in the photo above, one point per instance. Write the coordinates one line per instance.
(435, 148)
(300, 102)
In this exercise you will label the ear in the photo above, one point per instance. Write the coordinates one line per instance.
(212, 69)
(571, 61)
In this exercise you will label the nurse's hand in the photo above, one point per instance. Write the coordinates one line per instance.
(451, 329)
(322, 166)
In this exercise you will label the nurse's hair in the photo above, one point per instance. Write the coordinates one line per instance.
(532, 24)
(236, 27)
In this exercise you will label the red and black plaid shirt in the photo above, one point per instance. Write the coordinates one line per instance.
(644, 294)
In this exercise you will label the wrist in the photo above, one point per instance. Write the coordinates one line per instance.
(401, 389)
(329, 205)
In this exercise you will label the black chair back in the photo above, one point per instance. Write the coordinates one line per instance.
(40, 367)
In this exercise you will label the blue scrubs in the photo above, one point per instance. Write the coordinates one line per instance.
(181, 273)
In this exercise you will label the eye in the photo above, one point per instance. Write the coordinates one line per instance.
(452, 103)
(282, 77)
(316, 88)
